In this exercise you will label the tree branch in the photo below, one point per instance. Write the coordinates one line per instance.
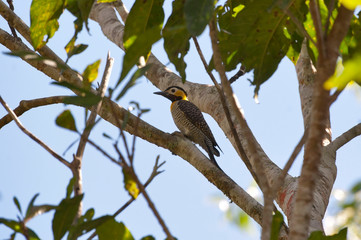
(258, 167)
(345, 137)
(26, 105)
(309, 188)
(76, 164)
(32, 136)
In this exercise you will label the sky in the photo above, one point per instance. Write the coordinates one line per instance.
(181, 194)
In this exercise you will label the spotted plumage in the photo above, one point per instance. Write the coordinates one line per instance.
(190, 121)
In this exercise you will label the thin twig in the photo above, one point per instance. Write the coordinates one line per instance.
(104, 152)
(345, 137)
(154, 173)
(229, 97)
(11, 6)
(152, 206)
(258, 166)
(92, 117)
(77, 160)
(32, 136)
(334, 96)
(316, 17)
(26, 105)
(227, 113)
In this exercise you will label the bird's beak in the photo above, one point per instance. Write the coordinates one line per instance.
(166, 95)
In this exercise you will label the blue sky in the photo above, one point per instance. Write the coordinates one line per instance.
(181, 194)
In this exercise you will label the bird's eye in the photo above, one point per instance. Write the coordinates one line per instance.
(173, 90)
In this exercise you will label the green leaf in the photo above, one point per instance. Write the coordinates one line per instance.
(142, 29)
(351, 44)
(44, 16)
(32, 235)
(64, 216)
(132, 81)
(356, 187)
(197, 15)
(88, 100)
(130, 184)
(298, 9)
(72, 49)
(85, 6)
(113, 230)
(277, 221)
(17, 204)
(254, 37)
(66, 120)
(14, 225)
(73, 7)
(176, 38)
(318, 235)
(87, 226)
(70, 187)
(34, 211)
(91, 73)
(149, 237)
(31, 204)
(243, 220)
(351, 72)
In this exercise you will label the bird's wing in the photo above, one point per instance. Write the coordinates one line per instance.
(194, 115)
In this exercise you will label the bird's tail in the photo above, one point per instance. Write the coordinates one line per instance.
(211, 156)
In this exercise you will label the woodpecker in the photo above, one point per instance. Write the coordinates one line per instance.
(190, 121)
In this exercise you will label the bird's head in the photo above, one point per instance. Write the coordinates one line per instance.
(174, 93)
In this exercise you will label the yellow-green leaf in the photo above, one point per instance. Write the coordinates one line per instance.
(72, 49)
(66, 120)
(91, 72)
(44, 16)
(350, 72)
(111, 229)
(129, 184)
(351, 4)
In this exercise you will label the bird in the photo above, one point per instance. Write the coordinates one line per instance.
(190, 121)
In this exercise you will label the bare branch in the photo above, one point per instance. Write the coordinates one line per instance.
(227, 113)
(121, 9)
(10, 2)
(26, 105)
(303, 220)
(334, 96)
(78, 157)
(154, 173)
(258, 167)
(32, 136)
(345, 137)
(91, 119)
